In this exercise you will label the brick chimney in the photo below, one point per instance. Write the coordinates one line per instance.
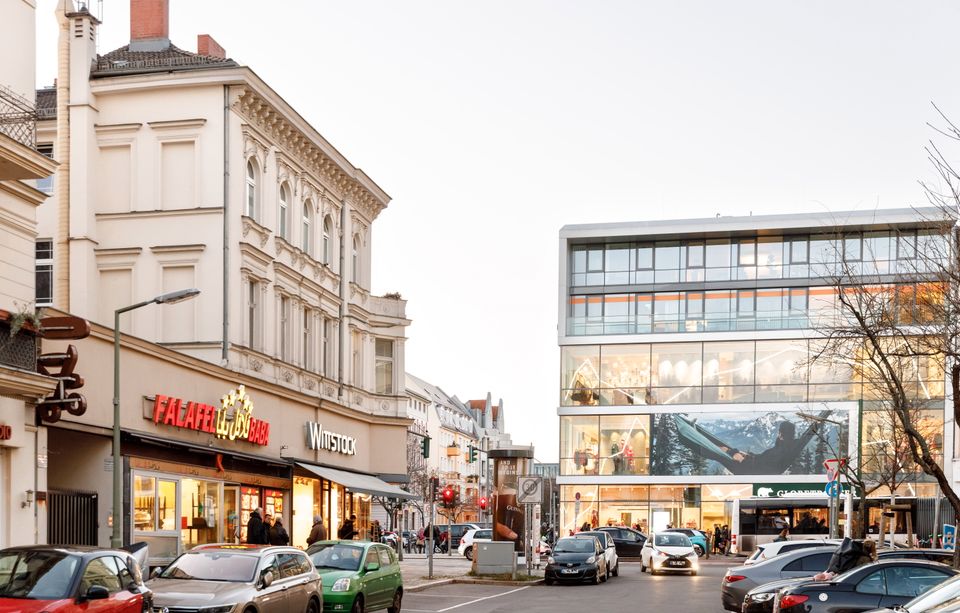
(207, 46)
(149, 25)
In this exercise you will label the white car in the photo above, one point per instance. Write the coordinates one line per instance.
(771, 550)
(466, 542)
(669, 552)
(609, 549)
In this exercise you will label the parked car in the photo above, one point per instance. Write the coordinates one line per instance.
(609, 549)
(944, 596)
(358, 576)
(885, 583)
(669, 552)
(71, 579)
(739, 580)
(456, 533)
(772, 550)
(576, 559)
(629, 542)
(227, 577)
(466, 542)
(760, 599)
(698, 538)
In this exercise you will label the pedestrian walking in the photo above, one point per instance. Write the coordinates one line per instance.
(376, 532)
(256, 530)
(278, 534)
(725, 537)
(421, 540)
(318, 532)
(347, 531)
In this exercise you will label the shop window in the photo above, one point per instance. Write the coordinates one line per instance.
(581, 365)
(624, 444)
(624, 374)
(579, 444)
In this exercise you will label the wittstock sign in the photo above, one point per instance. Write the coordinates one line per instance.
(232, 421)
(318, 438)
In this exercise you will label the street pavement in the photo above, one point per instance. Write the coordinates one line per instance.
(630, 591)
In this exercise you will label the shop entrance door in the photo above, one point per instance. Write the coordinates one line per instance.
(231, 514)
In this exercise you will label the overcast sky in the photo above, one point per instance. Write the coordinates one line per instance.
(492, 124)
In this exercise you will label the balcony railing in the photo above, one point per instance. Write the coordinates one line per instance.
(18, 118)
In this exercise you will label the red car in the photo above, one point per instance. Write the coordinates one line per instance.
(61, 579)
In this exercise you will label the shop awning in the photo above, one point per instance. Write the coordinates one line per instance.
(366, 484)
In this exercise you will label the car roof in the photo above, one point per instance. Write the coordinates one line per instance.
(242, 548)
(84, 550)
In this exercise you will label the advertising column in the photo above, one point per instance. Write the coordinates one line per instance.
(508, 517)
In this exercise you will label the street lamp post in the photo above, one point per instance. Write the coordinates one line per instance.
(116, 540)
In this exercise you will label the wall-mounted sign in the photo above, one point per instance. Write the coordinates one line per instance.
(6, 432)
(233, 420)
(318, 438)
(788, 490)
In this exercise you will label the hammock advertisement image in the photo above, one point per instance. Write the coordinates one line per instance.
(746, 443)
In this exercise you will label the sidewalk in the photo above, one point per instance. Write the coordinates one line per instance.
(445, 568)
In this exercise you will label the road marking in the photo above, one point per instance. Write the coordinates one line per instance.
(463, 604)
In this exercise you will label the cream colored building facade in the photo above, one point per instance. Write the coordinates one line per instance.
(182, 169)
(22, 443)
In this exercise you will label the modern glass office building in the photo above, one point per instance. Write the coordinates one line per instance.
(685, 378)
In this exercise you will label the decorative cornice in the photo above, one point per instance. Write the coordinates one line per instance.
(276, 126)
(177, 123)
(262, 234)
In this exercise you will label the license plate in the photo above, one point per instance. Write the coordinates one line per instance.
(569, 571)
(676, 563)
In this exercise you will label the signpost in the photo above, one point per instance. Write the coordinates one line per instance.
(833, 489)
(529, 493)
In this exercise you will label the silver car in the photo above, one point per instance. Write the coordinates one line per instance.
(804, 562)
(238, 579)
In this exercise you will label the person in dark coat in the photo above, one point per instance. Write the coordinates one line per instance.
(347, 531)
(318, 532)
(278, 534)
(256, 530)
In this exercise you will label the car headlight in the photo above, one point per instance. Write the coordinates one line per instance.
(591, 559)
(693, 555)
(762, 597)
(550, 560)
(341, 585)
(223, 608)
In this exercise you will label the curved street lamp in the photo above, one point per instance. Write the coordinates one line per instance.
(116, 540)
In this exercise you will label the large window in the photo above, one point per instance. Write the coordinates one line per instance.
(307, 343)
(44, 272)
(253, 314)
(284, 212)
(306, 231)
(624, 445)
(581, 375)
(327, 240)
(286, 316)
(766, 257)
(252, 197)
(384, 366)
(355, 260)
(579, 445)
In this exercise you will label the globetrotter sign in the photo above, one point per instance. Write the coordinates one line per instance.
(318, 438)
(233, 420)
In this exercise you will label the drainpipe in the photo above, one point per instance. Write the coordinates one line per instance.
(225, 343)
(62, 240)
(342, 344)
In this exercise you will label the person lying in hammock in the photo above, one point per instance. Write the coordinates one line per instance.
(774, 460)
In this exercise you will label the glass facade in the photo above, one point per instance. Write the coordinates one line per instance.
(691, 426)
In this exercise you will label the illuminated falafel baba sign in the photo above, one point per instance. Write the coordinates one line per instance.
(233, 420)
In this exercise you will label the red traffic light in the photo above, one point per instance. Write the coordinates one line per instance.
(483, 503)
(448, 495)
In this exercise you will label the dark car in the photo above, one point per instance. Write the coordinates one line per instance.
(885, 583)
(760, 599)
(628, 541)
(576, 559)
(71, 579)
(801, 564)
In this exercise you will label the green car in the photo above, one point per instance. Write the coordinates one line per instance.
(357, 576)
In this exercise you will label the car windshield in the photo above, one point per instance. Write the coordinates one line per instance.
(40, 575)
(213, 566)
(671, 540)
(575, 545)
(335, 555)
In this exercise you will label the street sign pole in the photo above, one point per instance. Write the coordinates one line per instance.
(433, 523)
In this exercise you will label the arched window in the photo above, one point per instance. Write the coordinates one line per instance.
(251, 206)
(356, 259)
(284, 206)
(327, 240)
(307, 238)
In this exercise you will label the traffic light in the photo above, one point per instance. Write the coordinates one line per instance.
(434, 486)
(425, 447)
(473, 453)
(448, 497)
(483, 503)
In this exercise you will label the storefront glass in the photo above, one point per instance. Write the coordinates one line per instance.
(624, 444)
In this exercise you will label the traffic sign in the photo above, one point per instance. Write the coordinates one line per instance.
(833, 488)
(833, 466)
(529, 489)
